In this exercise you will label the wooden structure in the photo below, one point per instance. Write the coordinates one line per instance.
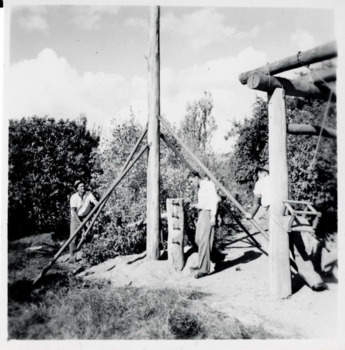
(152, 245)
(301, 220)
(261, 79)
(321, 87)
(318, 54)
(175, 214)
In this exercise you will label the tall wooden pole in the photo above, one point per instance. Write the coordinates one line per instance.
(280, 275)
(153, 213)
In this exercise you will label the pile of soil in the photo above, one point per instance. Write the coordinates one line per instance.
(238, 287)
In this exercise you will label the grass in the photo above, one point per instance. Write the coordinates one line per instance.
(66, 307)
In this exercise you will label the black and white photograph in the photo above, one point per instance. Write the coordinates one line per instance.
(172, 174)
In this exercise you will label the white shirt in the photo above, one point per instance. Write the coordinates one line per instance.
(83, 205)
(263, 190)
(208, 198)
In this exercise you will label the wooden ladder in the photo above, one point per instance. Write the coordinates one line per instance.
(301, 220)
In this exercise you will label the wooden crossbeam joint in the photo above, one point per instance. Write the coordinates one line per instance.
(296, 216)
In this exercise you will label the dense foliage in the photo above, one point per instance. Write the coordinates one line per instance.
(308, 180)
(126, 241)
(127, 204)
(45, 158)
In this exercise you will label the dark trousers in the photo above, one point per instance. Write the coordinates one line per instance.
(298, 242)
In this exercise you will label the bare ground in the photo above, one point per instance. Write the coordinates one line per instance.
(239, 288)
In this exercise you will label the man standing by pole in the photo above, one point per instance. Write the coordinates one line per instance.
(208, 200)
(80, 203)
(261, 207)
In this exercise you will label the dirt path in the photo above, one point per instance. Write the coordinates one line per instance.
(240, 289)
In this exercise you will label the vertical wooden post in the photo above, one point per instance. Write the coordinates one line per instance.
(153, 213)
(175, 216)
(280, 275)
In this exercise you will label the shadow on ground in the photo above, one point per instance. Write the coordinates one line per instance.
(244, 259)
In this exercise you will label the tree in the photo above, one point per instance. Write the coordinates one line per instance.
(199, 125)
(128, 202)
(45, 158)
(318, 183)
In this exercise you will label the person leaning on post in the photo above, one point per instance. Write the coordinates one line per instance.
(80, 203)
(207, 205)
(261, 204)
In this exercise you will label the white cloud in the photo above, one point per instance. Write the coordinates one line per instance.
(48, 85)
(90, 17)
(302, 40)
(203, 27)
(253, 33)
(32, 18)
(232, 100)
(137, 22)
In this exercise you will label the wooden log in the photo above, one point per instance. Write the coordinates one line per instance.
(140, 139)
(320, 77)
(317, 54)
(297, 88)
(153, 213)
(227, 193)
(188, 165)
(175, 214)
(104, 198)
(280, 275)
(331, 86)
(176, 151)
(242, 238)
(307, 129)
(210, 175)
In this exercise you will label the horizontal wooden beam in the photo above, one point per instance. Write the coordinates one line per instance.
(306, 129)
(332, 87)
(317, 54)
(298, 88)
(322, 76)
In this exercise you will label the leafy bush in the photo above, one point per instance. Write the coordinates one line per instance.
(45, 158)
(128, 202)
(109, 246)
(317, 184)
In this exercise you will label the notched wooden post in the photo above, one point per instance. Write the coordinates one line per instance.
(175, 232)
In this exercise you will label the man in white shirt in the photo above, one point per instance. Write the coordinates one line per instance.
(80, 204)
(262, 199)
(208, 200)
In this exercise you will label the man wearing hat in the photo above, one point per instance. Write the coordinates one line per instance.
(262, 199)
(80, 204)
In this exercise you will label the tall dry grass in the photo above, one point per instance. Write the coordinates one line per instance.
(66, 307)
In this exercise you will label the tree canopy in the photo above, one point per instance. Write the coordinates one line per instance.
(45, 158)
(317, 183)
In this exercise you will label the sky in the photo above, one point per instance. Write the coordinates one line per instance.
(67, 60)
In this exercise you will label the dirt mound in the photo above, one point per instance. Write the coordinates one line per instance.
(134, 270)
(238, 287)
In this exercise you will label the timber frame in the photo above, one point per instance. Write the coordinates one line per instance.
(259, 79)
(321, 86)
